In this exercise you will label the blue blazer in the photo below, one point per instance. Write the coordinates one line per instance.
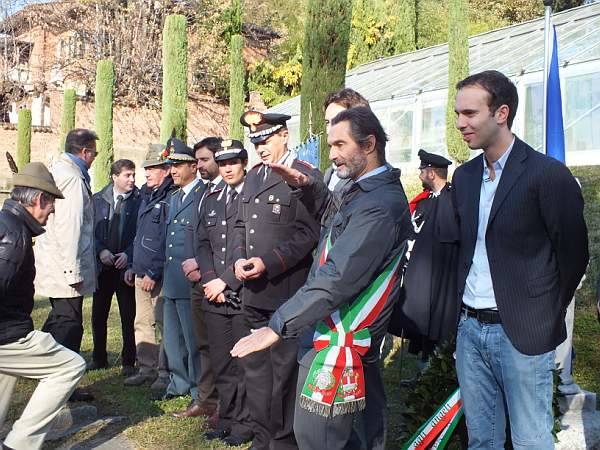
(536, 242)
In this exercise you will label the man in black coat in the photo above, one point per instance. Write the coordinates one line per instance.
(523, 252)
(276, 232)
(221, 300)
(25, 352)
(428, 308)
(208, 170)
(350, 293)
(115, 219)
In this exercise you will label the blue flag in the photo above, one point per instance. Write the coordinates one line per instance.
(309, 151)
(555, 133)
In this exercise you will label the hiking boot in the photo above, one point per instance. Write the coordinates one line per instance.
(160, 384)
(138, 379)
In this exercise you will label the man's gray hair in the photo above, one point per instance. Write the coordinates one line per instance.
(26, 196)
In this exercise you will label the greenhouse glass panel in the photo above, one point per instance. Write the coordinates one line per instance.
(400, 133)
(433, 131)
(534, 115)
(582, 114)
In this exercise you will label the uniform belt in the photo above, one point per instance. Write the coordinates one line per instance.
(489, 316)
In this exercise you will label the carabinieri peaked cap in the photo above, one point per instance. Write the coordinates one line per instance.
(178, 152)
(263, 125)
(432, 160)
(230, 149)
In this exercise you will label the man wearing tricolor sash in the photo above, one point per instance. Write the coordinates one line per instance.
(349, 295)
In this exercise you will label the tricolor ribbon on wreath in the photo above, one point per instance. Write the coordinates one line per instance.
(335, 383)
(437, 430)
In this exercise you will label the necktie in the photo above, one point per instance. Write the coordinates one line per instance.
(231, 196)
(115, 238)
(266, 173)
(180, 199)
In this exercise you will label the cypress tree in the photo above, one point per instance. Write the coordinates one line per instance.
(105, 77)
(326, 40)
(236, 72)
(405, 34)
(175, 68)
(67, 122)
(23, 137)
(458, 68)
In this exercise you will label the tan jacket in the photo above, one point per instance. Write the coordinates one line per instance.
(65, 254)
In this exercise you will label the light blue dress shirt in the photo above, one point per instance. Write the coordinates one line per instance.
(479, 291)
(374, 172)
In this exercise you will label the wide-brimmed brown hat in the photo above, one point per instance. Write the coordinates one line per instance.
(155, 156)
(36, 175)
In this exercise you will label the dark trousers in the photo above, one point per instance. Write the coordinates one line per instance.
(270, 377)
(342, 432)
(110, 281)
(65, 322)
(223, 332)
(207, 391)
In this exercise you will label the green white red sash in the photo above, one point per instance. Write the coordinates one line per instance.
(335, 383)
(436, 432)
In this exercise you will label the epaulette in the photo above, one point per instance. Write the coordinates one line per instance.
(216, 191)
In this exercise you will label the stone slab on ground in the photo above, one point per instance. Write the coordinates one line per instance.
(580, 431)
(102, 436)
(581, 401)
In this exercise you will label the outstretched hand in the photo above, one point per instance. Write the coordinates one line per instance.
(258, 340)
(291, 176)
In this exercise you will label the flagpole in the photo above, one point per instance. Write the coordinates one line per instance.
(547, 41)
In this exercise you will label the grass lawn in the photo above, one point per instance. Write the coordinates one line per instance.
(150, 425)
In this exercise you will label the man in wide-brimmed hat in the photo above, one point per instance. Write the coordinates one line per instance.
(25, 352)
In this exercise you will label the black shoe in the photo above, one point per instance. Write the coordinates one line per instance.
(163, 396)
(216, 434)
(128, 371)
(95, 365)
(236, 440)
(79, 395)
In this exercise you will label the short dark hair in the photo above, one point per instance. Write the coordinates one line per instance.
(502, 91)
(78, 139)
(122, 164)
(441, 172)
(212, 143)
(364, 123)
(348, 98)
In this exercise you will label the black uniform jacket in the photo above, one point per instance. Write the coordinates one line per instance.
(17, 271)
(214, 247)
(368, 232)
(276, 224)
(429, 306)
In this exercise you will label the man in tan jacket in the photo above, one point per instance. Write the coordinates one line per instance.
(64, 255)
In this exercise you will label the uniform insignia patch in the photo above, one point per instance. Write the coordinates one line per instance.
(271, 198)
(276, 209)
(212, 213)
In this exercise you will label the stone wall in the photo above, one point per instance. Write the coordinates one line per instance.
(133, 130)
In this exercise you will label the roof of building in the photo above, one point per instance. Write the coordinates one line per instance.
(513, 50)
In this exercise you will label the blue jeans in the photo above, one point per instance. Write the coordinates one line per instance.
(180, 346)
(497, 381)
